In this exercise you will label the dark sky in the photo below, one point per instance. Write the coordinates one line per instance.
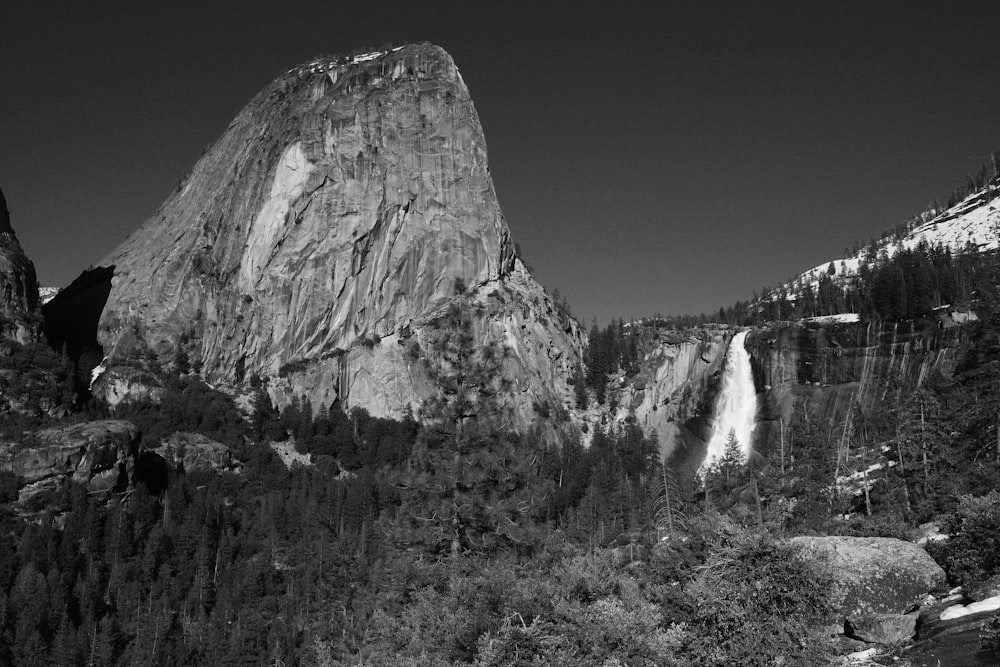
(664, 160)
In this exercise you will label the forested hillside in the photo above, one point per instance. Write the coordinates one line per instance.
(232, 533)
(454, 540)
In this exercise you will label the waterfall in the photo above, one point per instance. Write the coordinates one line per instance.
(736, 407)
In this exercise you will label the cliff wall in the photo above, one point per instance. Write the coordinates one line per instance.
(336, 217)
(826, 366)
(18, 285)
(816, 366)
(674, 391)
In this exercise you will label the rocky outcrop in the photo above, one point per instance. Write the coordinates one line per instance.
(873, 575)
(123, 384)
(195, 452)
(862, 354)
(672, 393)
(18, 285)
(336, 217)
(100, 454)
(826, 366)
(107, 456)
(889, 629)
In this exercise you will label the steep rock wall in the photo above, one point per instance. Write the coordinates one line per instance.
(819, 367)
(827, 366)
(342, 209)
(675, 389)
(18, 285)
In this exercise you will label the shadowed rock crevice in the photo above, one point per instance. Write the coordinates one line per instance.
(18, 285)
(4, 216)
(152, 470)
(72, 316)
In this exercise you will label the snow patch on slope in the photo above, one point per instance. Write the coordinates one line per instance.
(958, 610)
(46, 294)
(839, 318)
(326, 64)
(975, 220)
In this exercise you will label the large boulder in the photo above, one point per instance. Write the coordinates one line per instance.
(873, 575)
(889, 629)
(96, 453)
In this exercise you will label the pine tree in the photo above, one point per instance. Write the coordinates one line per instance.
(725, 474)
(471, 485)
(668, 513)
(580, 389)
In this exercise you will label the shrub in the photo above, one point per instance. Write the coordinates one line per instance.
(972, 554)
(759, 603)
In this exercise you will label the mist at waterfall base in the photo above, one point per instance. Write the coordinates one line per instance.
(736, 408)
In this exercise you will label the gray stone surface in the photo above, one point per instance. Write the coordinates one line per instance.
(18, 285)
(90, 452)
(316, 239)
(873, 575)
(195, 451)
(889, 629)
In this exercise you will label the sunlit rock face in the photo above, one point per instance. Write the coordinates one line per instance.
(18, 285)
(821, 367)
(338, 214)
(825, 367)
(872, 575)
(676, 387)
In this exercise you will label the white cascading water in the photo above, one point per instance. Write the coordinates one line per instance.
(736, 408)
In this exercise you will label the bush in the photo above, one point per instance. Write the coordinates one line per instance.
(759, 603)
(972, 553)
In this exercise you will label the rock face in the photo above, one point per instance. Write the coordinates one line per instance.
(100, 454)
(107, 456)
(889, 629)
(860, 354)
(18, 285)
(829, 365)
(195, 451)
(339, 213)
(820, 366)
(873, 575)
(673, 392)
(125, 383)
